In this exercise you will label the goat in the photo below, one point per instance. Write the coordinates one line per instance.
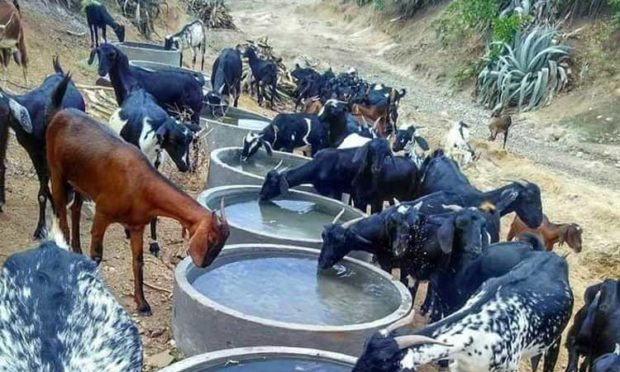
(340, 123)
(596, 328)
(407, 137)
(439, 173)
(264, 73)
(311, 105)
(97, 16)
(194, 36)
(331, 171)
(398, 178)
(79, 151)
(12, 40)
(457, 144)
(141, 122)
(394, 96)
(25, 114)
(59, 316)
(225, 81)
(287, 132)
(522, 313)
(499, 124)
(173, 90)
(550, 232)
(378, 114)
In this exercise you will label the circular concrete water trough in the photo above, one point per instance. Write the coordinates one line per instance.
(230, 130)
(297, 218)
(149, 52)
(265, 294)
(226, 167)
(265, 358)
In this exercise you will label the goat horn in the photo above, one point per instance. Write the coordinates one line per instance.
(350, 223)
(278, 165)
(396, 201)
(400, 323)
(452, 207)
(338, 216)
(405, 342)
(617, 349)
(418, 206)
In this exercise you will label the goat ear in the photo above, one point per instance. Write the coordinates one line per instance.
(267, 146)
(21, 114)
(445, 235)
(402, 92)
(91, 58)
(161, 132)
(422, 143)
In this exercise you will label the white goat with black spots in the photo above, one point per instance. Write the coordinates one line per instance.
(194, 36)
(56, 315)
(520, 314)
(457, 144)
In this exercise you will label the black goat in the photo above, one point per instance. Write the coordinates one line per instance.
(331, 171)
(340, 123)
(609, 362)
(407, 137)
(141, 122)
(173, 90)
(440, 173)
(596, 327)
(287, 132)
(225, 81)
(97, 16)
(518, 314)
(265, 73)
(25, 114)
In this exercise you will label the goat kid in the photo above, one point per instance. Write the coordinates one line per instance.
(550, 232)
(498, 125)
(264, 73)
(193, 36)
(457, 144)
(81, 150)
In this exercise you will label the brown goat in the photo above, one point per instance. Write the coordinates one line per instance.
(550, 233)
(89, 158)
(12, 37)
(499, 124)
(376, 114)
(311, 106)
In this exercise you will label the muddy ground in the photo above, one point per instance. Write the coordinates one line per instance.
(579, 184)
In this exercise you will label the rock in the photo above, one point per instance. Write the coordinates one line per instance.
(609, 119)
(599, 117)
(579, 154)
(160, 360)
(173, 343)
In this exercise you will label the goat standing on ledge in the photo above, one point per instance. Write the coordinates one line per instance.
(97, 164)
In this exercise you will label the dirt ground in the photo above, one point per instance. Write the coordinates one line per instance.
(576, 188)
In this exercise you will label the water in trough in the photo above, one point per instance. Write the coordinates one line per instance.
(293, 219)
(288, 287)
(282, 364)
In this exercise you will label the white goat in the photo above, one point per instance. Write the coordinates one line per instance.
(457, 146)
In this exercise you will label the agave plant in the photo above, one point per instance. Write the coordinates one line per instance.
(527, 73)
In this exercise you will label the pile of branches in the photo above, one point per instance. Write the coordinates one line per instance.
(213, 13)
(286, 84)
(142, 13)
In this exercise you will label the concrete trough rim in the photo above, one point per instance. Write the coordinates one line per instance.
(215, 157)
(258, 117)
(207, 193)
(258, 351)
(403, 309)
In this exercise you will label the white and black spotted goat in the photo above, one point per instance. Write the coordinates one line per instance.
(407, 137)
(288, 132)
(57, 315)
(194, 36)
(457, 144)
(521, 314)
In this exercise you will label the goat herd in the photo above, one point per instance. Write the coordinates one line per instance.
(490, 304)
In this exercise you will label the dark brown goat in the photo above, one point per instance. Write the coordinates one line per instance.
(311, 105)
(89, 158)
(499, 124)
(12, 37)
(550, 233)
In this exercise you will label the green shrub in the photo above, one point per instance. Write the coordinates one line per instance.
(528, 72)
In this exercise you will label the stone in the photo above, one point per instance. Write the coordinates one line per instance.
(159, 360)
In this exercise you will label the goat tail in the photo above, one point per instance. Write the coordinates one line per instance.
(57, 66)
(533, 240)
(58, 94)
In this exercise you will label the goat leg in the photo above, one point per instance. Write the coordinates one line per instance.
(97, 231)
(4, 138)
(153, 245)
(76, 213)
(44, 193)
(96, 38)
(551, 356)
(143, 307)
(59, 203)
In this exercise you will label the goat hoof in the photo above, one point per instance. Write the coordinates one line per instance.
(39, 233)
(145, 310)
(154, 249)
